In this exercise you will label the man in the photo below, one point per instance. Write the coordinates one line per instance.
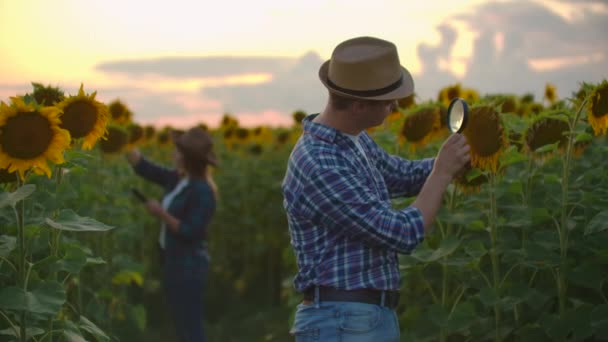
(337, 191)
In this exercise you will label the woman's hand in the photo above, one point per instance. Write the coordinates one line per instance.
(157, 210)
(133, 156)
(154, 208)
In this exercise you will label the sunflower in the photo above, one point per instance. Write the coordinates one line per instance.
(47, 95)
(115, 140)
(598, 109)
(470, 95)
(508, 104)
(282, 137)
(407, 102)
(229, 121)
(420, 126)
(255, 149)
(550, 93)
(527, 98)
(149, 132)
(136, 133)
(485, 136)
(298, 116)
(469, 186)
(84, 117)
(447, 94)
(242, 134)
(29, 136)
(546, 130)
(163, 137)
(119, 112)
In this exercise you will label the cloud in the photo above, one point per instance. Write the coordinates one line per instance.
(295, 88)
(537, 45)
(196, 67)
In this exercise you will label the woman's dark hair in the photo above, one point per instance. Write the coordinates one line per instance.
(195, 166)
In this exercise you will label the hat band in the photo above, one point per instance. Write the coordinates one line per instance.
(367, 93)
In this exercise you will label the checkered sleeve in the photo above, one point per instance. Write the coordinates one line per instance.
(342, 200)
(403, 177)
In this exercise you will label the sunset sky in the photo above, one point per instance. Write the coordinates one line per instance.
(183, 62)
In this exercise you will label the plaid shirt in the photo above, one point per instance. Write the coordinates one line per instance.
(343, 228)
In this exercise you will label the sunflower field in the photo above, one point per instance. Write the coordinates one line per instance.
(518, 251)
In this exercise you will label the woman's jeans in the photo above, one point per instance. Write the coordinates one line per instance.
(184, 293)
(345, 322)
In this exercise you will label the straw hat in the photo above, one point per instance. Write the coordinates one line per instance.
(195, 143)
(366, 68)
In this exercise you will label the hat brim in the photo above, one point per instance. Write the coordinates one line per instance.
(210, 158)
(406, 89)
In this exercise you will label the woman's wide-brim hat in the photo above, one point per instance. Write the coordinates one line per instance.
(195, 143)
(366, 68)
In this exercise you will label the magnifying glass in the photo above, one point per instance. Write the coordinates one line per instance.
(458, 113)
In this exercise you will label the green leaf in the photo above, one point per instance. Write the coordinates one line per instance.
(587, 275)
(475, 248)
(7, 245)
(488, 296)
(96, 261)
(447, 247)
(547, 148)
(598, 223)
(45, 299)
(554, 327)
(599, 317)
(12, 198)
(29, 332)
(438, 315)
(73, 336)
(462, 317)
(93, 329)
(583, 136)
(69, 220)
(511, 156)
(74, 260)
(138, 314)
(472, 174)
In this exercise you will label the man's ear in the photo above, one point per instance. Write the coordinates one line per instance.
(359, 105)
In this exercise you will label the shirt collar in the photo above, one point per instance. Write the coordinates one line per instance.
(321, 131)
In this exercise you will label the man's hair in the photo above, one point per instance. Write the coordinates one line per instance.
(340, 102)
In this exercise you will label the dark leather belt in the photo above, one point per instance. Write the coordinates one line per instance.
(330, 294)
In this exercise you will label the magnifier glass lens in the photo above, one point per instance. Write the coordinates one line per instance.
(456, 116)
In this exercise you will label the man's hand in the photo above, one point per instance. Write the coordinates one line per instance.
(453, 157)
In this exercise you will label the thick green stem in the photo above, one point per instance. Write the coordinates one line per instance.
(444, 269)
(22, 270)
(493, 219)
(562, 286)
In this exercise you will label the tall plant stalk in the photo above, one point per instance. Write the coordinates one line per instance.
(20, 213)
(443, 335)
(493, 221)
(562, 286)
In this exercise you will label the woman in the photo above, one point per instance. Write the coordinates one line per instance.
(185, 212)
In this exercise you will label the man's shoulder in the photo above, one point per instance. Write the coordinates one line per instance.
(316, 154)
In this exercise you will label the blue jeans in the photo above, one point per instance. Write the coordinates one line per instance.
(184, 292)
(345, 322)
